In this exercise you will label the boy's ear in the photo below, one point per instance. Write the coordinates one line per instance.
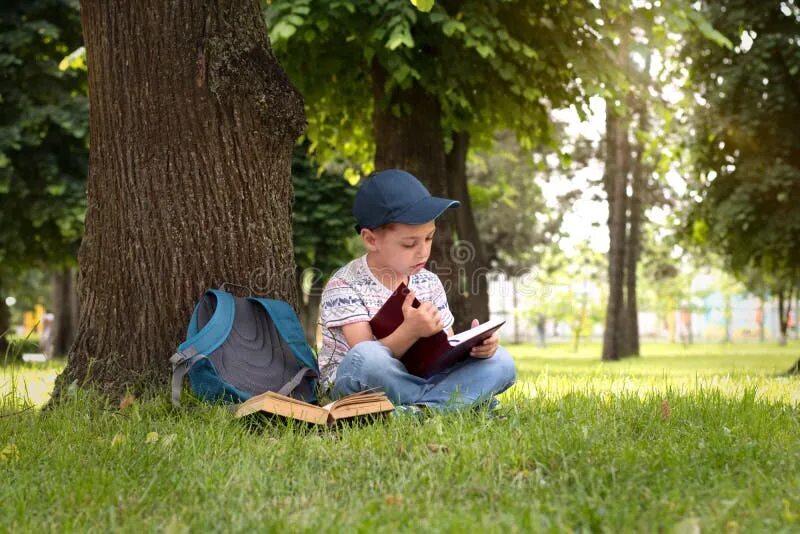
(370, 239)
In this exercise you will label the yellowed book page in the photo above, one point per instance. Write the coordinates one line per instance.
(281, 405)
(253, 404)
(357, 400)
(314, 414)
(354, 410)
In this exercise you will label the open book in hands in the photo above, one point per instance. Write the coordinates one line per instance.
(362, 403)
(433, 354)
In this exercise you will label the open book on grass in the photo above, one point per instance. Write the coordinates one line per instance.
(357, 404)
(433, 354)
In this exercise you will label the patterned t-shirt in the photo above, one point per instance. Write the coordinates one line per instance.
(354, 294)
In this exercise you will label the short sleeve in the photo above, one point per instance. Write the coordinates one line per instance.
(341, 304)
(440, 301)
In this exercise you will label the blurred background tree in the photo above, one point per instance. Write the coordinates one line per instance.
(43, 151)
(747, 159)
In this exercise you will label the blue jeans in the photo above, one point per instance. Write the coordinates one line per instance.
(370, 364)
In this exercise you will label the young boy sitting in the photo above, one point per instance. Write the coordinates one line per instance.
(395, 217)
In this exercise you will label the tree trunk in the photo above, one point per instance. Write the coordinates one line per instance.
(796, 322)
(413, 141)
(579, 323)
(615, 181)
(192, 124)
(728, 319)
(469, 254)
(541, 330)
(5, 326)
(633, 241)
(65, 309)
(784, 309)
(515, 304)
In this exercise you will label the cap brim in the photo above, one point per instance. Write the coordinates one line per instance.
(426, 210)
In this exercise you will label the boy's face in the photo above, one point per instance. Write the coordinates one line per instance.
(403, 248)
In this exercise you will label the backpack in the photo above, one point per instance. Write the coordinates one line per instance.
(239, 347)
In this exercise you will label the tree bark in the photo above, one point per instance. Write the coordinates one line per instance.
(65, 309)
(192, 124)
(413, 140)
(615, 182)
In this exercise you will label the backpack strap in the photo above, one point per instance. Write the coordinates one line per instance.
(216, 331)
(181, 362)
(289, 328)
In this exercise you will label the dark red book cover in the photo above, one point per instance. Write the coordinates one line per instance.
(429, 355)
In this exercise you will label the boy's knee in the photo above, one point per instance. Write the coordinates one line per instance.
(362, 366)
(376, 359)
(503, 367)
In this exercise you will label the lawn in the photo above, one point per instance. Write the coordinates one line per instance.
(703, 438)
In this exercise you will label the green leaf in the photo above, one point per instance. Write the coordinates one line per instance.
(282, 31)
(56, 190)
(401, 73)
(294, 20)
(423, 5)
(75, 60)
(401, 36)
(708, 30)
(438, 16)
(485, 51)
(452, 26)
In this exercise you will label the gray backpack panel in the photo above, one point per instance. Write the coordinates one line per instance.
(254, 357)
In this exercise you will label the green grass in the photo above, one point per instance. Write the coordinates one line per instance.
(705, 437)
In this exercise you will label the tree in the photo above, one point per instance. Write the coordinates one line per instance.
(519, 230)
(192, 125)
(43, 158)
(638, 122)
(567, 295)
(516, 224)
(388, 85)
(746, 158)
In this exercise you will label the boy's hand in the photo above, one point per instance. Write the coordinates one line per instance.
(487, 347)
(423, 321)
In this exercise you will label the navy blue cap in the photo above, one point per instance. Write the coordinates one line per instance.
(395, 196)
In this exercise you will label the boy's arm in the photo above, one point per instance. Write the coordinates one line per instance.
(398, 341)
(355, 333)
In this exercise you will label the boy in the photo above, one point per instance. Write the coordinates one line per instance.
(395, 217)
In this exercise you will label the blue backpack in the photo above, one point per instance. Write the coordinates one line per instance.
(239, 347)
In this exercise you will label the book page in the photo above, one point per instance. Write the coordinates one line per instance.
(274, 403)
(361, 397)
(362, 408)
(473, 332)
